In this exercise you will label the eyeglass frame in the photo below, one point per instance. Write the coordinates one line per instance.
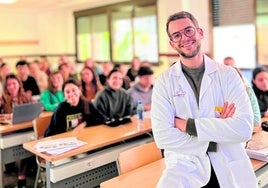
(183, 31)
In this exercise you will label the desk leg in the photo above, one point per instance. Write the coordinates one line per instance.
(2, 169)
(48, 166)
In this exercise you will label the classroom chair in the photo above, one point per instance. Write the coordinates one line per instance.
(40, 125)
(138, 156)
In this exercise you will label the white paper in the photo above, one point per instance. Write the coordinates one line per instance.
(58, 146)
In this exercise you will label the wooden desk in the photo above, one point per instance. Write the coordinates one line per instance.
(261, 171)
(96, 137)
(11, 139)
(144, 177)
(257, 164)
(17, 127)
(148, 176)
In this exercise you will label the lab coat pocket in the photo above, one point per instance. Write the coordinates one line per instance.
(183, 106)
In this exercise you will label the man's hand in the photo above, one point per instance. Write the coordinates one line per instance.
(79, 127)
(180, 124)
(228, 110)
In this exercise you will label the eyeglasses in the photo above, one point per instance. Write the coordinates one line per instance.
(188, 32)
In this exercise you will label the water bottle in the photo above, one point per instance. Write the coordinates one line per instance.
(140, 112)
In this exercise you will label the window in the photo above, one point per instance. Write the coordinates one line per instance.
(83, 38)
(122, 35)
(93, 37)
(234, 31)
(118, 32)
(262, 30)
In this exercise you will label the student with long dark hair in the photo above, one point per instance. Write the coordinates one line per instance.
(74, 113)
(90, 83)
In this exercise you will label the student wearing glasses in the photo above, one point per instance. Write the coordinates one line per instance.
(201, 115)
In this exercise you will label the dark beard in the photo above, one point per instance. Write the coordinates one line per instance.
(189, 56)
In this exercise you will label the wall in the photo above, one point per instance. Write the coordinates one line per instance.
(200, 9)
(52, 31)
(36, 32)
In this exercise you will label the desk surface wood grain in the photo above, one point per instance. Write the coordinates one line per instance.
(148, 175)
(257, 164)
(145, 176)
(96, 137)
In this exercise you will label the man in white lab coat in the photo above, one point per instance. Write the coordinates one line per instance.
(202, 147)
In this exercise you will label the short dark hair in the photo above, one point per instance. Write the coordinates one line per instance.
(145, 71)
(181, 15)
(21, 62)
(71, 81)
(112, 71)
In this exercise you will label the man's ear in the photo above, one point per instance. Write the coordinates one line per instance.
(253, 81)
(171, 44)
(200, 32)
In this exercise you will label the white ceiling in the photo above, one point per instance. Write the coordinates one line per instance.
(56, 4)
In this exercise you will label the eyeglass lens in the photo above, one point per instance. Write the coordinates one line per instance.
(188, 31)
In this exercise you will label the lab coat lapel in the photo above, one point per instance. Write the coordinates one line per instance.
(182, 85)
(210, 68)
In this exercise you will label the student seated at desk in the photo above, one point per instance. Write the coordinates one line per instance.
(143, 89)
(260, 87)
(90, 83)
(4, 71)
(13, 95)
(74, 113)
(28, 82)
(53, 95)
(113, 102)
(229, 61)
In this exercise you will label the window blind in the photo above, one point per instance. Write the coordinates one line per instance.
(233, 12)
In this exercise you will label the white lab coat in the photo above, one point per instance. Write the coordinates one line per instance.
(187, 163)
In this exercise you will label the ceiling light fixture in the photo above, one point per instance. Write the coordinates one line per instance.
(7, 1)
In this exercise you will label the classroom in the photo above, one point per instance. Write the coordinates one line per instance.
(61, 44)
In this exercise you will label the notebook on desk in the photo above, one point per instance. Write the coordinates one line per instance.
(257, 147)
(23, 113)
(261, 154)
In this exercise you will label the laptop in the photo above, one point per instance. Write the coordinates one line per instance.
(24, 113)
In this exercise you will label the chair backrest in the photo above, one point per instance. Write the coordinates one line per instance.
(40, 125)
(138, 156)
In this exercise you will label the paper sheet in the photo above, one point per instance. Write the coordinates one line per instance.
(59, 146)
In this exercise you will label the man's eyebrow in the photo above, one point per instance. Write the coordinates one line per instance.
(180, 30)
(176, 32)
